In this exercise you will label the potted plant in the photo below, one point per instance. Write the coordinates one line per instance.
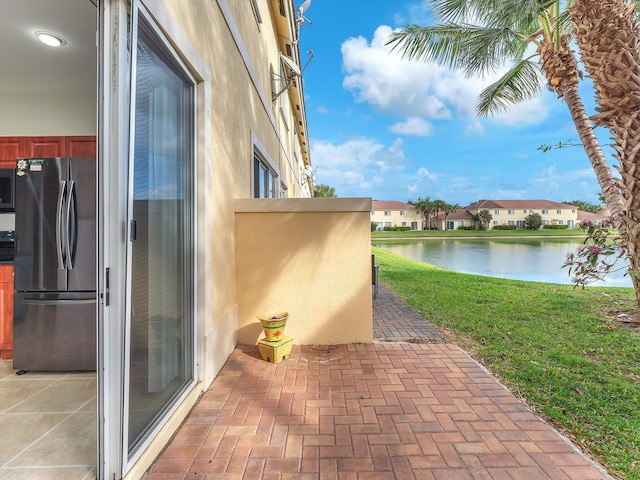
(273, 323)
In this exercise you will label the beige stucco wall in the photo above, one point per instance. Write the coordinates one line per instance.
(239, 53)
(310, 257)
(396, 218)
(503, 217)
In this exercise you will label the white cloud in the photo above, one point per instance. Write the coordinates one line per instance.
(527, 113)
(414, 127)
(357, 165)
(365, 167)
(414, 89)
(474, 129)
(424, 173)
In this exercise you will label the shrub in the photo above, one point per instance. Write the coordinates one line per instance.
(504, 227)
(555, 227)
(466, 228)
(397, 229)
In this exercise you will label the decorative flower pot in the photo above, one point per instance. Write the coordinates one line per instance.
(273, 323)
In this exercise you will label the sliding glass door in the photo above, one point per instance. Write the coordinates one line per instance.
(160, 306)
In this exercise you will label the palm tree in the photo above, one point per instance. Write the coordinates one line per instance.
(607, 34)
(424, 206)
(501, 33)
(448, 209)
(438, 206)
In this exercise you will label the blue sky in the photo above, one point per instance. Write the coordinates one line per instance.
(392, 129)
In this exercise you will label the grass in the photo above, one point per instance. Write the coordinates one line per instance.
(554, 346)
(480, 234)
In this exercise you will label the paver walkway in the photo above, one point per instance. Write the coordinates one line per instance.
(381, 411)
(395, 321)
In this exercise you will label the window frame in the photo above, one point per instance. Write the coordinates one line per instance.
(259, 158)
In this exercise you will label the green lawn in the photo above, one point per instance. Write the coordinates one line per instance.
(553, 345)
(480, 234)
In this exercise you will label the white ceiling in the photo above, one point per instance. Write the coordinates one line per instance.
(29, 66)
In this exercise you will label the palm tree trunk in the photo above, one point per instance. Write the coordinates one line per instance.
(560, 67)
(609, 185)
(607, 34)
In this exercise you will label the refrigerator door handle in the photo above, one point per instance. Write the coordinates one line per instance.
(26, 301)
(71, 225)
(59, 226)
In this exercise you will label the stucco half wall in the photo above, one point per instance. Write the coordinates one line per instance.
(310, 257)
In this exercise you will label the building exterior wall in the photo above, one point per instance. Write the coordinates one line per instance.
(395, 214)
(550, 216)
(311, 258)
(553, 214)
(240, 54)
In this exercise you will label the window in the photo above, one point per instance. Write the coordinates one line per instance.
(264, 178)
(511, 212)
(560, 222)
(573, 211)
(373, 213)
(495, 222)
(545, 212)
(496, 212)
(256, 10)
(404, 224)
(387, 224)
(402, 213)
(511, 222)
(387, 214)
(545, 222)
(461, 223)
(524, 211)
(559, 212)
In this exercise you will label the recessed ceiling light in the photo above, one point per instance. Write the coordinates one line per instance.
(51, 39)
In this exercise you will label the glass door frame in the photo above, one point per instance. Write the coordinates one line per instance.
(141, 14)
(112, 146)
(114, 110)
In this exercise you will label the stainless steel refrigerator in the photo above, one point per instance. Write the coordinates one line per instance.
(55, 307)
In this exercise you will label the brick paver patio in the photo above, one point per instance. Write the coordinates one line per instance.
(395, 321)
(381, 411)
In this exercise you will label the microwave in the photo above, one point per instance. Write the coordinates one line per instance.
(7, 189)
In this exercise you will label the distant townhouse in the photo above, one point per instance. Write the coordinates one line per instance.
(391, 213)
(511, 212)
(586, 218)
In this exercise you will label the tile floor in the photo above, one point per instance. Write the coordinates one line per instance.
(47, 425)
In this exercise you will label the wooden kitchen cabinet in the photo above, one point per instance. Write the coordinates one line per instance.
(44, 147)
(79, 146)
(33, 147)
(6, 312)
(10, 149)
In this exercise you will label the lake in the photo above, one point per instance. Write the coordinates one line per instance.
(536, 260)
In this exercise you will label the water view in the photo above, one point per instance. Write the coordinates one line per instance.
(536, 260)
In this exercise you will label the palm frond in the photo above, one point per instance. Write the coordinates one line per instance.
(489, 12)
(451, 11)
(472, 49)
(522, 82)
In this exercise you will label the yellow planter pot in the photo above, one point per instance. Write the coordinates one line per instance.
(273, 323)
